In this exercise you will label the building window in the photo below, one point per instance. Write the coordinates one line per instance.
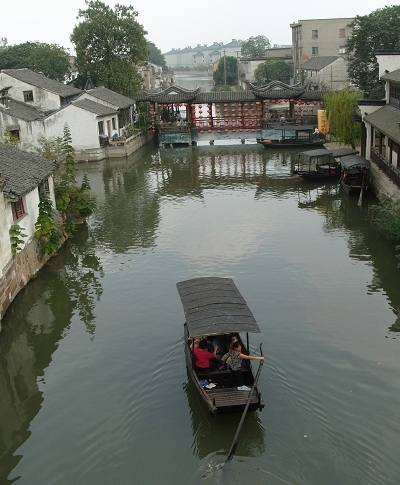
(315, 51)
(342, 50)
(100, 124)
(113, 123)
(314, 34)
(17, 209)
(342, 33)
(28, 96)
(15, 134)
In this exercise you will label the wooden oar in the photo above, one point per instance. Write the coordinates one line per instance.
(359, 203)
(236, 437)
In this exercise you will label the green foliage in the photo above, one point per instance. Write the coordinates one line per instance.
(341, 107)
(49, 59)
(47, 227)
(50, 148)
(144, 121)
(8, 139)
(17, 236)
(386, 216)
(273, 70)
(110, 43)
(226, 72)
(255, 46)
(221, 88)
(377, 31)
(155, 55)
(73, 201)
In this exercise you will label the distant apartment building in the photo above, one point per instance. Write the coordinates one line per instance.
(318, 37)
(201, 55)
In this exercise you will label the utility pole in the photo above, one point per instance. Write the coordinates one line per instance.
(224, 69)
(237, 56)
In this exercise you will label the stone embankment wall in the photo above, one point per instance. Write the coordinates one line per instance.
(117, 149)
(20, 269)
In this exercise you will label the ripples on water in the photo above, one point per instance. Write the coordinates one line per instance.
(94, 387)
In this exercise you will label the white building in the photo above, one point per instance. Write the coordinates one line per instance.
(201, 55)
(33, 107)
(326, 72)
(23, 176)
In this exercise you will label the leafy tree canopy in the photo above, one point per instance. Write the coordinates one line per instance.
(255, 46)
(227, 70)
(49, 59)
(341, 107)
(273, 69)
(376, 31)
(155, 55)
(111, 44)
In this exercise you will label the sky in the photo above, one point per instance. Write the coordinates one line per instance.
(178, 23)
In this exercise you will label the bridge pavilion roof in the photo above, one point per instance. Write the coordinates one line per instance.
(273, 90)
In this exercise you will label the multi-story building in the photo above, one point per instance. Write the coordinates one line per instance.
(201, 55)
(318, 37)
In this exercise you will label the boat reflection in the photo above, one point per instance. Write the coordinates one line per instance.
(214, 434)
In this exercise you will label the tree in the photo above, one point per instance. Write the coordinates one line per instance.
(49, 59)
(341, 107)
(376, 31)
(155, 55)
(273, 69)
(227, 71)
(73, 201)
(255, 46)
(110, 43)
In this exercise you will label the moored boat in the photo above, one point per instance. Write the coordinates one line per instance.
(355, 174)
(291, 136)
(321, 163)
(214, 308)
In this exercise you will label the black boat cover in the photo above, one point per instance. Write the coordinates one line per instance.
(215, 306)
(289, 127)
(318, 152)
(344, 152)
(353, 161)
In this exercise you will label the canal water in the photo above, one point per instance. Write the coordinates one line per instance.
(93, 384)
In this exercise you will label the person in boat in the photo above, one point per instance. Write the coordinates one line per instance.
(204, 359)
(236, 364)
(226, 358)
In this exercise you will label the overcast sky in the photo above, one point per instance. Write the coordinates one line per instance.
(179, 23)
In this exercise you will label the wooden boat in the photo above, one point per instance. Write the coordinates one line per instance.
(355, 175)
(322, 163)
(291, 136)
(215, 308)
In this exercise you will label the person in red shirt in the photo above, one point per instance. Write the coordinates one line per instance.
(205, 359)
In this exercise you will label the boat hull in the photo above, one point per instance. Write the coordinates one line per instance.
(289, 143)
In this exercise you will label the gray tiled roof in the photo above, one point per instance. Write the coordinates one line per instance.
(22, 111)
(93, 107)
(392, 76)
(319, 62)
(31, 77)
(286, 92)
(386, 120)
(23, 171)
(116, 99)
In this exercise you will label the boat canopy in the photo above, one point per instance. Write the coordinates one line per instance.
(289, 127)
(215, 306)
(344, 152)
(319, 152)
(355, 161)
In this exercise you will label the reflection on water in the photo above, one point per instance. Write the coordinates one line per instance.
(36, 322)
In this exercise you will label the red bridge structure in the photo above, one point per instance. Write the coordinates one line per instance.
(182, 116)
